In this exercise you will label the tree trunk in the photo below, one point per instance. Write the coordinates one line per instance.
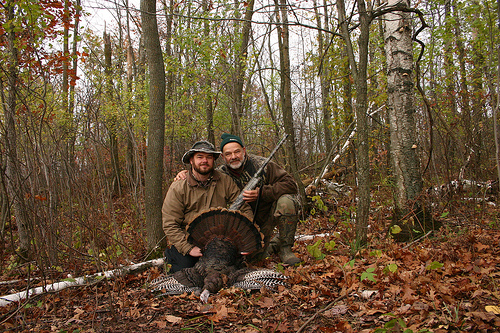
(71, 104)
(111, 121)
(209, 107)
(448, 64)
(359, 72)
(286, 92)
(65, 66)
(239, 75)
(497, 108)
(131, 145)
(400, 91)
(478, 98)
(156, 133)
(16, 186)
(464, 87)
(324, 80)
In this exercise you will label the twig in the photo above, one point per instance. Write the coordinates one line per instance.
(320, 311)
(416, 240)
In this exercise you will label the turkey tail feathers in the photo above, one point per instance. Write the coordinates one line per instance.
(268, 283)
(168, 285)
(258, 278)
(230, 225)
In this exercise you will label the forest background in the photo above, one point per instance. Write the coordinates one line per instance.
(395, 100)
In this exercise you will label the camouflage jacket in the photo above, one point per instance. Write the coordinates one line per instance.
(275, 182)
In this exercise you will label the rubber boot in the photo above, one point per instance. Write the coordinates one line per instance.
(287, 225)
(273, 247)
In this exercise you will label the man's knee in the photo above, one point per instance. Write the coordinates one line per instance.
(286, 205)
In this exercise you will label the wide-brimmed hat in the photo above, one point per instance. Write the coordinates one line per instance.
(200, 147)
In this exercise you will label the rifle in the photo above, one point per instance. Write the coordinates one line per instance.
(252, 183)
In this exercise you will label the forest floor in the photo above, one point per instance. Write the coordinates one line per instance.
(444, 282)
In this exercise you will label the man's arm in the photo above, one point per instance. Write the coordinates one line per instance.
(173, 217)
(280, 183)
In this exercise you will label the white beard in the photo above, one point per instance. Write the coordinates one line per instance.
(235, 165)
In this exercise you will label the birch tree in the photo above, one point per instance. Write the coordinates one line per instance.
(400, 104)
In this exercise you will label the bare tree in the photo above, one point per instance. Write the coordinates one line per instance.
(324, 79)
(497, 107)
(71, 104)
(239, 72)
(286, 89)
(359, 72)
(111, 121)
(15, 181)
(209, 106)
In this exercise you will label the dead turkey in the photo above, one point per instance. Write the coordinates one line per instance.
(224, 236)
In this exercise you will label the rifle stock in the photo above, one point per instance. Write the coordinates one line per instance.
(252, 183)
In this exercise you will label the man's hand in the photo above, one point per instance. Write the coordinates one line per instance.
(181, 175)
(195, 252)
(251, 195)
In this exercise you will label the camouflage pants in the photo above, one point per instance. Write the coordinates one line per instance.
(286, 205)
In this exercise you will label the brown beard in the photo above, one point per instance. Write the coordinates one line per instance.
(203, 173)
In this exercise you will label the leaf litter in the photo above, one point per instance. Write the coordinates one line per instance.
(447, 282)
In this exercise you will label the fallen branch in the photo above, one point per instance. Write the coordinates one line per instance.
(80, 281)
(342, 149)
(309, 237)
(320, 311)
(3, 283)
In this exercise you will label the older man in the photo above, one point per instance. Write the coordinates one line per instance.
(202, 189)
(273, 201)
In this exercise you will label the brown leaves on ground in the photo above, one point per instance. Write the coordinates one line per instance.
(444, 283)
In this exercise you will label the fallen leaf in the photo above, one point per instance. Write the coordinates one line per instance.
(283, 327)
(481, 247)
(403, 309)
(173, 319)
(330, 274)
(266, 302)
(366, 294)
(407, 297)
(480, 292)
(420, 306)
(486, 316)
(493, 309)
(160, 324)
(134, 313)
(336, 310)
(220, 314)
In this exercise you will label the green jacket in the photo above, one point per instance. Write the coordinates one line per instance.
(185, 199)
